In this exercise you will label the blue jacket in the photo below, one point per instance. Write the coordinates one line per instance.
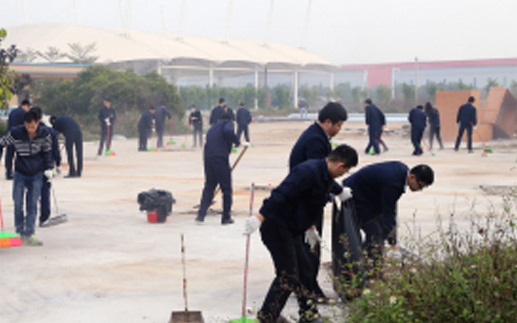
(434, 117)
(297, 203)
(146, 121)
(66, 125)
(376, 189)
(313, 143)
(243, 116)
(54, 146)
(198, 121)
(160, 114)
(15, 118)
(33, 155)
(417, 118)
(466, 115)
(216, 113)
(104, 113)
(219, 140)
(373, 116)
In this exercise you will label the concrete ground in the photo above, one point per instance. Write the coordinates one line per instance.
(108, 264)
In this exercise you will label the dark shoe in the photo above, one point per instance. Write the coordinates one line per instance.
(227, 221)
(70, 176)
(9, 177)
(471, 151)
(455, 149)
(200, 219)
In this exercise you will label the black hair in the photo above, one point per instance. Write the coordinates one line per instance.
(192, 105)
(26, 102)
(30, 116)
(333, 111)
(423, 173)
(107, 99)
(368, 101)
(53, 119)
(151, 107)
(37, 110)
(420, 107)
(471, 99)
(221, 100)
(241, 104)
(225, 116)
(344, 153)
(428, 107)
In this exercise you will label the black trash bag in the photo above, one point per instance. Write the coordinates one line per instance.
(159, 200)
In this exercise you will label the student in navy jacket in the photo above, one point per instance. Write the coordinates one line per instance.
(217, 111)
(466, 120)
(376, 189)
(73, 139)
(373, 119)
(314, 143)
(33, 161)
(243, 120)
(15, 119)
(159, 116)
(107, 118)
(433, 116)
(417, 119)
(145, 125)
(292, 211)
(219, 140)
(196, 120)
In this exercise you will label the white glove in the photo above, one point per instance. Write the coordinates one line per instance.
(107, 120)
(312, 237)
(245, 144)
(345, 194)
(48, 174)
(394, 255)
(251, 225)
(58, 170)
(474, 127)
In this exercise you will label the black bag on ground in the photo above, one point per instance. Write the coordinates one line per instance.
(159, 200)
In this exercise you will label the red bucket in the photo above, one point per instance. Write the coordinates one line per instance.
(152, 217)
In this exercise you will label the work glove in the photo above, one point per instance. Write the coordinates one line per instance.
(474, 127)
(345, 194)
(48, 174)
(251, 225)
(58, 170)
(312, 238)
(107, 120)
(245, 144)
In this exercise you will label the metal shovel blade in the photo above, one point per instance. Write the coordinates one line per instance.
(187, 317)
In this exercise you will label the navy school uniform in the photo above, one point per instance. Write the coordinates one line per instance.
(103, 114)
(159, 115)
(374, 120)
(196, 119)
(215, 114)
(243, 119)
(46, 184)
(144, 128)
(418, 121)
(73, 139)
(15, 119)
(219, 140)
(467, 119)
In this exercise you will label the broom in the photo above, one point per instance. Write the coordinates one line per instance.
(428, 148)
(171, 141)
(153, 149)
(486, 149)
(184, 144)
(8, 240)
(243, 318)
(109, 151)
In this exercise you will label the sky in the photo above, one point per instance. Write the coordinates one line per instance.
(342, 31)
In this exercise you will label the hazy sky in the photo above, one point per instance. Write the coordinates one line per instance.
(343, 31)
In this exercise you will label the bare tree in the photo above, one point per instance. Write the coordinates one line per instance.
(28, 55)
(82, 54)
(52, 55)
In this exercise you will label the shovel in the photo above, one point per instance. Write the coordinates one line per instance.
(185, 316)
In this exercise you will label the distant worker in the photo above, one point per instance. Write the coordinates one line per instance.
(73, 140)
(145, 126)
(374, 121)
(107, 118)
(219, 140)
(243, 121)
(159, 116)
(433, 116)
(303, 106)
(196, 120)
(466, 119)
(417, 119)
(381, 130)
(15, 119)
(217, 111)
(229, 110)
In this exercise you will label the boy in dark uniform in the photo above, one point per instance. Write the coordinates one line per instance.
(144, 128)
(107, 118)
(243, 120)
(466, 120)
(196, 120)
(418, 121)
(73, 137)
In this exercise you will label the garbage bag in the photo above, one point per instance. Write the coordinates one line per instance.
(160, 200)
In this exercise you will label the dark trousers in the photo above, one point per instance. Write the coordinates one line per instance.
(243, 128)
(44, 200)
(217, 171)
(159, 136)
(9, 155)
(143, 134)
(197, 132)
(289, 256)
(314, 256)
(373, 134)
(75, 139)
(460, 134)
(373, 243)
(416, 139)
(105, 137)
(435, 131)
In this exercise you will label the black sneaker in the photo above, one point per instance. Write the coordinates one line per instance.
(227, 221)
(199, 220)
(70, 176)
(9, 177)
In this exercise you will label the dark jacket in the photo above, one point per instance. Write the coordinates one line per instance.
(33, 155)
(417, 118)
(372, 116)
(243, 116)
(146, 121)
(434, 117)
(15, 118)
(376, 189)
(313, 143)
(160, 114)
(297, 203)
(219, 140)
(198, 122)
(216, 113)
(104, 113)
(54, 146)
(67, 126)
(467, 115)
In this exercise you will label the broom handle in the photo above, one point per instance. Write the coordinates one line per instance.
(1, 216)
(247, 254)
(233, 167)
(108, 142)
(184, 273)
(170, 129)
(477, 133)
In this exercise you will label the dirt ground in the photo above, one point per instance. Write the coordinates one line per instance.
(108, 264)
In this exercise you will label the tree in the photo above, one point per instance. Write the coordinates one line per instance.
(52, 55)
(489, 84)
(6, 56)
(281, 96)
(19, 84)
(82, 54)
(383, 94)
(28, 55)
(409, 92)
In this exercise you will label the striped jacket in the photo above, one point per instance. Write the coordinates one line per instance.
(33, 155)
